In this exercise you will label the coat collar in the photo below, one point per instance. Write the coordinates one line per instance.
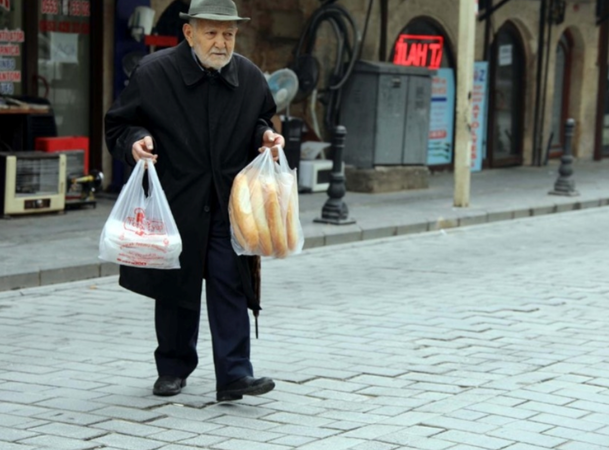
(192, 73)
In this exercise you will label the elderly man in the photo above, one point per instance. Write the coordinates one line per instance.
(201, 113)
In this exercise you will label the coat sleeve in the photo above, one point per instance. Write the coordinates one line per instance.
(267, 110)
(123, 122)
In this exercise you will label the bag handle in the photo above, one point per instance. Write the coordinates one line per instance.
(135, 179)
(283, 160)
(153, 177)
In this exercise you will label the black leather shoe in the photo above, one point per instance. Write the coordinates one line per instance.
(245, 386)
(166, 385)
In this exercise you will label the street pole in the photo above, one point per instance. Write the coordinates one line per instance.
(565, 185)
(335, 210)
(465, 85)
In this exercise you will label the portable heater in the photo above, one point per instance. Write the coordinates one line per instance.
(81, 184)
(32, 182)
(66, 144)
(75, 168)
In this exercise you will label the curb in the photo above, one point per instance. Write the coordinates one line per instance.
(47, 277)
(355, 234)
(349, 234)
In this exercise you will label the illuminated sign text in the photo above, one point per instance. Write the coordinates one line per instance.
(419, 51)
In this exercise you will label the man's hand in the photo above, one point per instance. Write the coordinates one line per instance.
(273, 141)
(143, 149)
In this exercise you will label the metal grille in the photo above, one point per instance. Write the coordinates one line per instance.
(75, 162)
(36, 176)
(75, 167)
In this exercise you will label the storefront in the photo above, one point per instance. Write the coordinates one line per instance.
(424, 42)
(534, 83)
(505, 112)
(46, 57)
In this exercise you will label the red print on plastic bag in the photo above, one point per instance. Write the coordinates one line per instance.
(142, 226)
(141, 231)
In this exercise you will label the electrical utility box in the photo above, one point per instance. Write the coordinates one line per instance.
(385, 109)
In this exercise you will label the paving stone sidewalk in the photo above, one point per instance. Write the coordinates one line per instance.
(43, 250)
(486, 337)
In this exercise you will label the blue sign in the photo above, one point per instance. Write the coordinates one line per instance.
(442, 118)
(479, 114)
(8, 64)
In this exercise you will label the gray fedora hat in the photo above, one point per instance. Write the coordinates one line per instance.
(221, 10)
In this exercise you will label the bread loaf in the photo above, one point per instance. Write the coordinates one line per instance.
(274, 217)
(238, 235)
(242, 216)
(263, 212)
(259, 213)
(292, 223)
(289, 194)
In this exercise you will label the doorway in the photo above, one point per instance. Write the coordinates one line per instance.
(602, 141)
(506, 121)
(560, 101)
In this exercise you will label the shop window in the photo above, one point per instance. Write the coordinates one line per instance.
(64, 62)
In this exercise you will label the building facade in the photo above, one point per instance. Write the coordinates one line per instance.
(66, 52)
(533, 84)
(518, 91)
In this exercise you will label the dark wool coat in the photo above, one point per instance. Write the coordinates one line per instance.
(205, 130)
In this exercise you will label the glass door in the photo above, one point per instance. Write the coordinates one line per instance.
(64, 62)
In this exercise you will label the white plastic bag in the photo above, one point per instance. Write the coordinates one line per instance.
(141, 231)
(263, 209)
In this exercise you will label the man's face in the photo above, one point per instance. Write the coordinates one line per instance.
(213, 42)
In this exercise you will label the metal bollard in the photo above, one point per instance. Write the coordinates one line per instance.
(335, 210)
(565, 185)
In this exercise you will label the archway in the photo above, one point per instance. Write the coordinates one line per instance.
(426, 33)
(427, 27)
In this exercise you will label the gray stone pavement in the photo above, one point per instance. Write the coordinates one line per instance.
(48, 249)
(487, 337)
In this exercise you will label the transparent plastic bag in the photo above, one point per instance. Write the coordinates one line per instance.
(141, 231)
(263, 209)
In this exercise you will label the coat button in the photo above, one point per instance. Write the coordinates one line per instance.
(206, 209)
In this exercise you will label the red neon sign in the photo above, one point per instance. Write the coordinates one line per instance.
(418, 51)
(6, 4)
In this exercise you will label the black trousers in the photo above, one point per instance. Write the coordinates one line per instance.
(177, 328)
